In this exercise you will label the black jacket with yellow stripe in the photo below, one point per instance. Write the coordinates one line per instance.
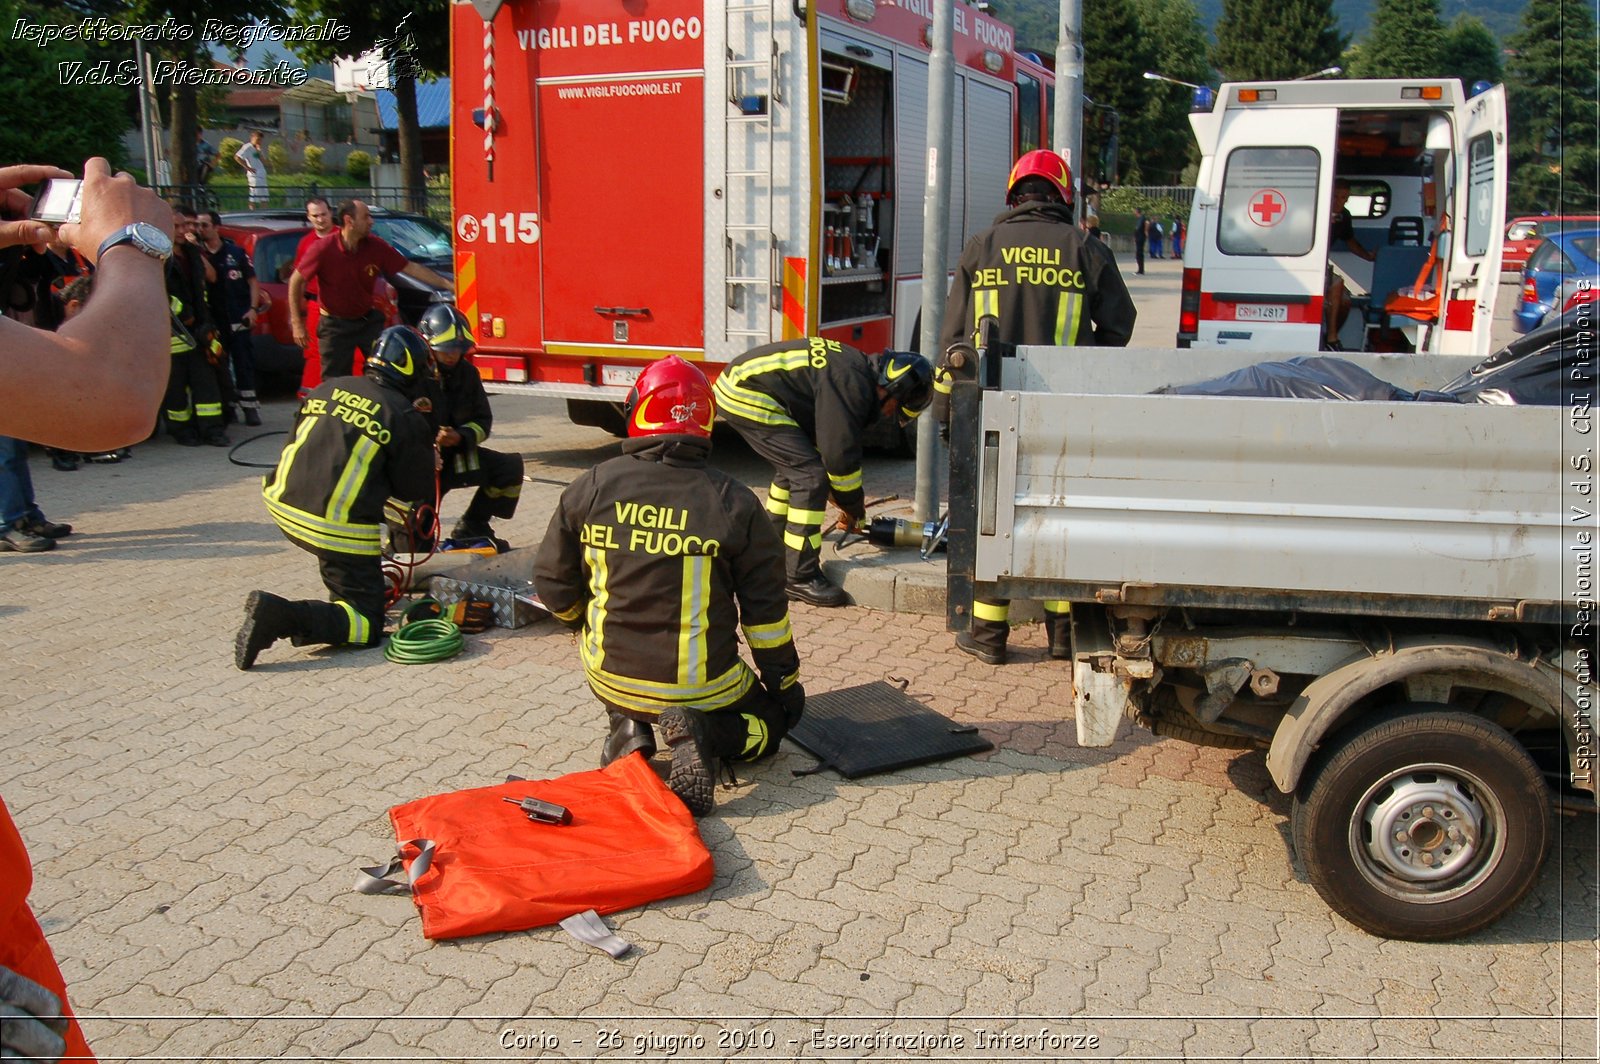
(828, 389)
(662, 561)
(1047, 281)
(460, 402)
(356, 442)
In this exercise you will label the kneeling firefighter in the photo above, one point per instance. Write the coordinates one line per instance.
(461, 412)
(660, 561)
(356, 442)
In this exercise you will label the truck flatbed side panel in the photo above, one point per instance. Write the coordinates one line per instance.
(1415, 500)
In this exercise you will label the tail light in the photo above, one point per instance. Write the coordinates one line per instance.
(1530, 291)
(1189, 306)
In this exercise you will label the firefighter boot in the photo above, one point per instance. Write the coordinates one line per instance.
(986, 641)
(267, 619)
(819, 591)
(627, 735)
(1058, 629)
(693, 777)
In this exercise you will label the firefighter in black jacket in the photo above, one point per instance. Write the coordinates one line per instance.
(461, 412)
(804, 405)
(1045, 281)
(660, 561)
(357, 442)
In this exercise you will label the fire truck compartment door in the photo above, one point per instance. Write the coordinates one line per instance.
(621, 213)
(1264, 275)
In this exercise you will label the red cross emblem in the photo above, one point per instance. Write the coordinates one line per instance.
(1267, 207)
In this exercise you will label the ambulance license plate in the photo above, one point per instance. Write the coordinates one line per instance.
(1261, 312)
(623, 376)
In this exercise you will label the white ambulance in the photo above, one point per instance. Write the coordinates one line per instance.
(1424, 165)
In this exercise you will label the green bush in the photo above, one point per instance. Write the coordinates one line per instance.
(225, 155)
(359, 165)
(1118, 204)
(277, 158)
(313, 157)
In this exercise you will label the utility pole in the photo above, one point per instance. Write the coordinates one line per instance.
(935, 240)
(1068, 140)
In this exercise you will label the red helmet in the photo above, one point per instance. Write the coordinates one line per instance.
(1041, 163)
(670, 398)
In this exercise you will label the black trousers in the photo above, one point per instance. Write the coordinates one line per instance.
(496, 475)
(798, 499)
(357, 594)
(748, 730)
(194, 401)
(338, 339)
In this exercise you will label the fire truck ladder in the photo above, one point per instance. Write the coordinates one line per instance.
(749, 239)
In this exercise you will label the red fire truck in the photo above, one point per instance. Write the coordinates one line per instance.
(698, 177)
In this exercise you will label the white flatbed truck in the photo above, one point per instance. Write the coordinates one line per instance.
(1379, 595)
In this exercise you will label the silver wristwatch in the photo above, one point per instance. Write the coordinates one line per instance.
(142, 235)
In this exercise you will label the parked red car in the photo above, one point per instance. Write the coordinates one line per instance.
(271, 244)
(1524, 234)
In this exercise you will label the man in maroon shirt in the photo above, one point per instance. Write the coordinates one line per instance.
(346, 264)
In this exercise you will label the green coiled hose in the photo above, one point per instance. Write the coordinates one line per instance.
(423, 642)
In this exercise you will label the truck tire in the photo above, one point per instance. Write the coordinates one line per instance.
(1424, 824)
(598, 414)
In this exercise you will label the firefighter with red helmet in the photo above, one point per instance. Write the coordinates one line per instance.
(660, 562)
(1043, 281)
(804, 405)
(461, 412)
(357, 441)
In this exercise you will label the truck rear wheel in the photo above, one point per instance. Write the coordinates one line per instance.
(1425, 824)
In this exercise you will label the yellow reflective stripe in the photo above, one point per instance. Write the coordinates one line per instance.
(985, 303)
(793, 359)
(569, 615)
(985, 611)
(767, 636)
(286, 459)
(651, 697)
(467, 462)
(846, 481)
(1058, 605)
(814, 541)
(313, 530)
(513, 492)
(943, 381)
(593, 653)
(756, 736)
(693, 620)
(777, 493)
(360, 627)
(352, 478)
(793, 541)
(789, 680)
(208, 409)
(179, 415)
(1068, 310)
(479, 433)
(752, 406)
(806, 518)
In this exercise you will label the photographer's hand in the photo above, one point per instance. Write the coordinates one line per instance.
(109, 203)
(17, 227)
(23, 1035)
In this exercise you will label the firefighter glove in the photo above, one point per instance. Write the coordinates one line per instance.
(792, 699)
(23, 1034)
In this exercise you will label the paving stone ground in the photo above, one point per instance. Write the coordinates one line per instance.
(195, 832)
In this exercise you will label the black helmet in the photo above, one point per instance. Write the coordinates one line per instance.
(446, 329)
(401, 359)
(906, 376)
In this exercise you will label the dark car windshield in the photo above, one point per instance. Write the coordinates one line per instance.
(415, 238)
(274, 254)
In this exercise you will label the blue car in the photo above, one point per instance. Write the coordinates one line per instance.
(1561, 256)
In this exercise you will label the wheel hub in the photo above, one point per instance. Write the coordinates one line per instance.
(1423, 826)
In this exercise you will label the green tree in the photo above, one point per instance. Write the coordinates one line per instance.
(1116, 53)
(414, 36)
(1551, 87)
(1162, 143)
(50, 120)
(1258, 42)
(1470, 52)
(1404, 40)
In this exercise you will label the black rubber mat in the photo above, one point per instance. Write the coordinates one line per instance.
(878, 728)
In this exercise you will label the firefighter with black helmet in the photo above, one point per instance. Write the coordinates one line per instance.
(357, 441)
(1043, 281)
(805, 405)
(461, 413)
(660, 562)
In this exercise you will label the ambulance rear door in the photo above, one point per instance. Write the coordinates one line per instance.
(1263, 270)
(1479, 223)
